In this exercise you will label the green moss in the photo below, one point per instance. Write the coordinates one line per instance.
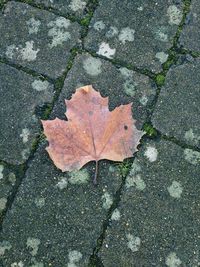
(160, 79)
(150, 131)
(85, 21)
(124, 167)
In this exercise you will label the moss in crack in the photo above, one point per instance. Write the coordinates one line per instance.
(150, 130)
(124, 167)
(160, 79)
(86, 20)
(2, 3)
(172, 59)
(186, 9)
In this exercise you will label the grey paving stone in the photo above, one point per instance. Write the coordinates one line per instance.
(177, 112)
(57, 217)
(137, 33)
(190, 36)
(20, 96)
(37, 39)
(158, 219)
(66, 7)
(120, 84)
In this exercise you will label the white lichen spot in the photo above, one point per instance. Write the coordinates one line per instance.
(40, 85)
(151, 153)
(125, 72)
(1, 171)
(143, 100)
(33, 25)
(106, 51)
(24, 135)
(99, 25)
(10, 51)
(17, 264)
(40, 202)
(126, 34)
(12, 178)
(134, 242)
(79, 177)
(174, 14)
(3, 202)
(25, 153)
(112, 32)
(161, 35)
(135, 168)
(192, 156)
(74, 257)
(112, 169)
(135, 181)
(116, 215)
(190, 136)
(162, 57)
(107, 200)
(92, 66)
(76, 5)
(33, 243)
(175, 189)
(28, 53)
(140, 8)
(4, 245)
(130, 87)
(62, 184)
(58, 31)
(172, 260)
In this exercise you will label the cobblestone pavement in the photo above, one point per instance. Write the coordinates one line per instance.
(145, 211)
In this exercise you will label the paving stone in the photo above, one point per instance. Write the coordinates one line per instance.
(66, 7)
(137, 33)
(20, 94)
(120, 84)
(37, 39)
(190, 35)
(157, 221)
(177, 112)
(57, 217)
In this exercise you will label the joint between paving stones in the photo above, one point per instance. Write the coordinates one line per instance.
(172, 60)
(20, 171)
(124, 169)
(155, 134)
(119, 63)
(85, 21)
(27, 70)
(2, 4)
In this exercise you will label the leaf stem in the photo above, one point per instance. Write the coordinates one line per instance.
(96, 174)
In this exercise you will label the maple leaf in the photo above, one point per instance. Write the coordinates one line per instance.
(91, 133)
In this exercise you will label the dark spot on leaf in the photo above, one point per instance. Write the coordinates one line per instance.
(125, 127)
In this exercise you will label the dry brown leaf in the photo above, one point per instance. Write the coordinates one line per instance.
(92, 132)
